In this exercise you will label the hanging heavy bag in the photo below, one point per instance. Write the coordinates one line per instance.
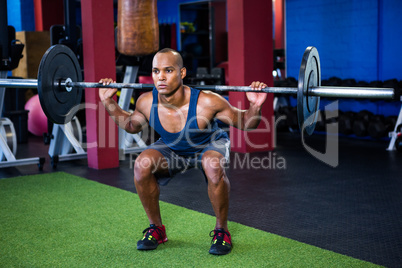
(137, 27)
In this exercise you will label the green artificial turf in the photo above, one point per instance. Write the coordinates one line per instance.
(60, 220)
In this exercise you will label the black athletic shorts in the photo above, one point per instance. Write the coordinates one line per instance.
(179, 164)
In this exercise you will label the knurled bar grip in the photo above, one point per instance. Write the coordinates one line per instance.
(322, 91)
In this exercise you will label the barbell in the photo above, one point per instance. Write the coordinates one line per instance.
(60, 87)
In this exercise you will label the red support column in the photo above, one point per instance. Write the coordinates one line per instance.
(99, 62)
(279, 24)
(48, 13)
(250, 48)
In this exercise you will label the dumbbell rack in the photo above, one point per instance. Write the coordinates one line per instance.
(394, 134)
(8, 158)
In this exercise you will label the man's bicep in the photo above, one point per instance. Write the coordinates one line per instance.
(228, 114)
(137, 121)
(138, 118)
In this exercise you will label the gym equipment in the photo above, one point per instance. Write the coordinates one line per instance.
(66, 139)
(395, 135)
(329, 117)
(37, 121)
(280, 119)
(286, 118)
(60, 89)
(377, 128)
(59, 63)
(7, 131)
(203, 77)
(291, 119)
(334, 81)
(346, 121)
(360, 125)
(8, 147)
(348, 82)
(321, 121)
(398, 143)
(128, 140)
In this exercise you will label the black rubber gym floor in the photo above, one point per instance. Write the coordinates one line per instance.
(353, 209)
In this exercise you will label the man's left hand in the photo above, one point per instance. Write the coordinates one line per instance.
(257, 98)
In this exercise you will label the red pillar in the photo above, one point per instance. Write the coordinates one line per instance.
(48, 13)
(279, 24)
(99, 62)
(250, 48)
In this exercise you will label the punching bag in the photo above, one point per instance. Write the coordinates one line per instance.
(137, 27)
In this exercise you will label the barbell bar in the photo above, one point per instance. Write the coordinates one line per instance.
(60, 87)
(322, 91)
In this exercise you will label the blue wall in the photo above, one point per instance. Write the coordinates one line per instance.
(20, 14)
(390, 39)
(355, 38)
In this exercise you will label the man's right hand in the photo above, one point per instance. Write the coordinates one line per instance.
(106, 93)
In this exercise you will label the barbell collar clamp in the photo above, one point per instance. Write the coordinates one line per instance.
(66, 82)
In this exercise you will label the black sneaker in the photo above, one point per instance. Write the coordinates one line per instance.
(221, 242)
(153, 236)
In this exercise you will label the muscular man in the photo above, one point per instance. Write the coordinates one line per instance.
(185, 119)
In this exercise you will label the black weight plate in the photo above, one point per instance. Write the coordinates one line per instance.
(309, 76)
(57, 64)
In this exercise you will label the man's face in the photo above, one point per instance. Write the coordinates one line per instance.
(166, 73)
